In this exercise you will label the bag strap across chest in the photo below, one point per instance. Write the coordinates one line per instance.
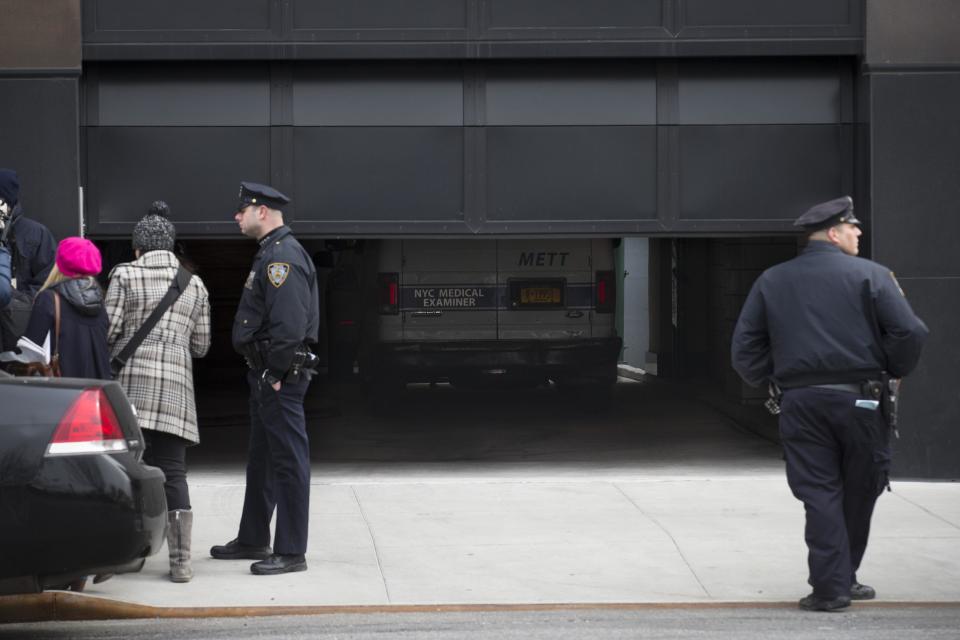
(178, 286)
(56, 324)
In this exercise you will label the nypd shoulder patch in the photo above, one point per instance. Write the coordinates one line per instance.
(277, 273)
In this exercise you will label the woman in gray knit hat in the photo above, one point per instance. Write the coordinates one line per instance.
(158, 377)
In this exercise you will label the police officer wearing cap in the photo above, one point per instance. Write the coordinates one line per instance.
(834, 333)
(276, 322)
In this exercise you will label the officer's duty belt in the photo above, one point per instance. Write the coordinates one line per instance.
(872, 389)
(849, 388)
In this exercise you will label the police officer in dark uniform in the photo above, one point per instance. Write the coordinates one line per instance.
(834, 333)
(276, 322)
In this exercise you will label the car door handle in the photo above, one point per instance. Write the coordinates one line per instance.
(574, 314)
(423, 314)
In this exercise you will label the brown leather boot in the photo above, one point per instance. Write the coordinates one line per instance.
(179, 528)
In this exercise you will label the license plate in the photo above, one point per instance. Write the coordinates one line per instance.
(537, 293)
(540, 295)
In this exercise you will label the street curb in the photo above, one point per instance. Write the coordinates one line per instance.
(63, 606)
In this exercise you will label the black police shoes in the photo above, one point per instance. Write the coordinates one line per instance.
(816, 603)
(236, 550)
(277, 564)
(862, 592)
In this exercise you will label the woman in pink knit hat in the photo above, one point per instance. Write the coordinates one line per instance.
(83, 317)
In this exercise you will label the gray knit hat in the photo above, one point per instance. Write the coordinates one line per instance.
(154, 231)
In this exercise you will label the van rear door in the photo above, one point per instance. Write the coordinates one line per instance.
(449, 290)
(547, 287)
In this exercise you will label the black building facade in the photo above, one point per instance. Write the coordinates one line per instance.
(665, 118)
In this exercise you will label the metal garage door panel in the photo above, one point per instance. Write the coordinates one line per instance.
(171, 15)
(196, 169)
(532, 14)
(578, 92)
(759, 92)
(758, 173)
(378, 95)
(378, 173)
(571, 173)
(203, 94)
(379, 14)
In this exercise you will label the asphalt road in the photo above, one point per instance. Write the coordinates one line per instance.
(771, 623)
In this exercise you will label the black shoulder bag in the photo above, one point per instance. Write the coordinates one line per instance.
(178, 286)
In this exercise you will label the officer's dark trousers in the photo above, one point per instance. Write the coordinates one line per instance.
(837, 463)
(278, 468)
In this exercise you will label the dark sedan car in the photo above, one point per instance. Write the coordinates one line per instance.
(75, 499)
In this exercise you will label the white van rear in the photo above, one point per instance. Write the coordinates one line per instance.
(475, 311)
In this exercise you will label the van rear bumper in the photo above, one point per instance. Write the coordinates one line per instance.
(589, 361)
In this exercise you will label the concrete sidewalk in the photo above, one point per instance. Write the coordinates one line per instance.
(526, 499)
(452, 535)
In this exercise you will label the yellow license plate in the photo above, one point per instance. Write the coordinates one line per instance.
(539, 295)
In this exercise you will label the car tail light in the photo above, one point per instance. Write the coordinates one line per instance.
(389, 286)
(606, 292)
(89, 426)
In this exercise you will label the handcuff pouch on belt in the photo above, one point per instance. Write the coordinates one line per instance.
(775, 394)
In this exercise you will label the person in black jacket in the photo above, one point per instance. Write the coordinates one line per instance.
(5, 288)
(26, 255)
(829, 329)
(277, 319)
(83, 316)
(31, 244)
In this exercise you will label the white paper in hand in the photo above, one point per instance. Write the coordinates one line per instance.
(30, 351)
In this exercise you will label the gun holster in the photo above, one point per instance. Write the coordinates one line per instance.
(889, 398)
(255, 355)
(304, 363)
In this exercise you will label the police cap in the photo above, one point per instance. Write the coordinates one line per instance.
(257, 194)
(827, 214)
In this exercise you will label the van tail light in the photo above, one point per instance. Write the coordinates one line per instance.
(89, 426)
(389, 287)
(606, 292)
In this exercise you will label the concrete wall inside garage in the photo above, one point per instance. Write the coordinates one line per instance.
(698, 286)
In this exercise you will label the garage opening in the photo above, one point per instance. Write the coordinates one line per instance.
(677, 300)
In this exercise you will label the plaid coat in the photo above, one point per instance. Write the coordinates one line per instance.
(158, 378)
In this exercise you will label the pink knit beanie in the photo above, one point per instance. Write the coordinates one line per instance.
(78, 257)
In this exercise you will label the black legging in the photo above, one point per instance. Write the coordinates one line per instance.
(169, 452)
